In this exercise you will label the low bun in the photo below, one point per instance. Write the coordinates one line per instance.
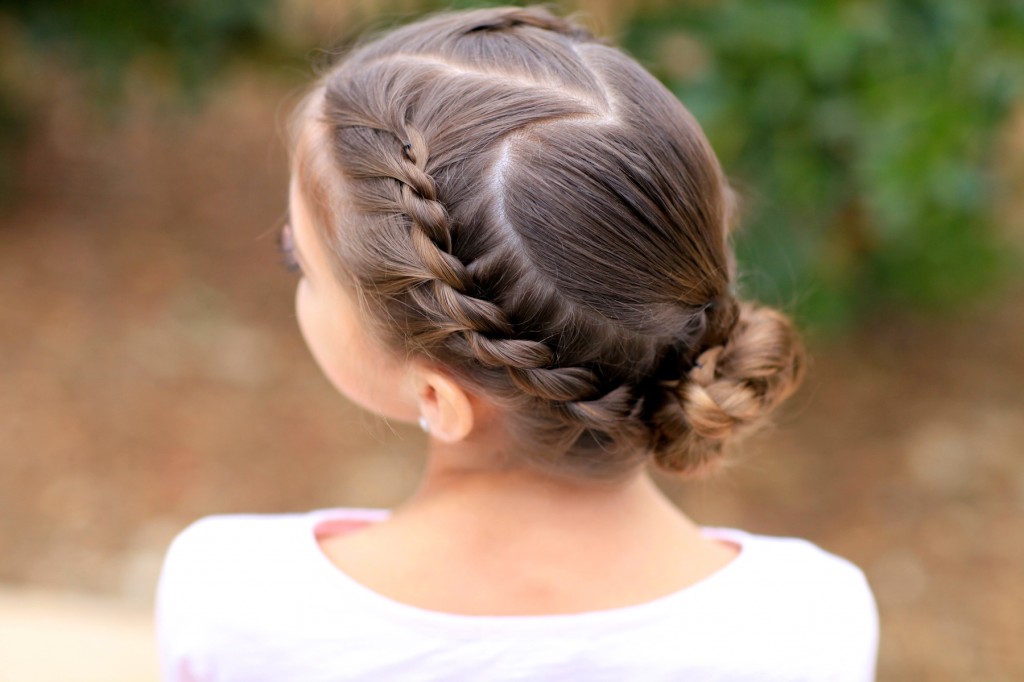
(730, 391)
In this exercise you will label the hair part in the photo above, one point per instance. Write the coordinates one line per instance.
(530, 209)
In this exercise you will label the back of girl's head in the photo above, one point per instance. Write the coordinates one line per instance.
(529, 209)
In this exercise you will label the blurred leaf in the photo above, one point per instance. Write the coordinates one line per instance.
(196, 38)
(866, 128)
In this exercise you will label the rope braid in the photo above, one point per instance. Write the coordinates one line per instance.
(490, 336)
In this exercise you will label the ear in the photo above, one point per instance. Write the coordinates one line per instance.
(444, 403)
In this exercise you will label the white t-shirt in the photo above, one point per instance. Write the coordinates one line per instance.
(252, 597)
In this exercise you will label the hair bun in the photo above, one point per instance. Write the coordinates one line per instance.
(730, 391)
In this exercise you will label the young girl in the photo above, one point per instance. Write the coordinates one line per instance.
(511, 233)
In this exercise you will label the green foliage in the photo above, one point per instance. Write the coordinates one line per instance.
(189, 41)
(13, 123)
(194, 39)
(860, 132)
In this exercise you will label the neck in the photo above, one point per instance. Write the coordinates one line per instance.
(460, 477)
(479, 539)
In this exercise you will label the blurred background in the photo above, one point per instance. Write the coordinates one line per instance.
(152, 372)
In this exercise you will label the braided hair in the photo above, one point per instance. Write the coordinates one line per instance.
(525, 206)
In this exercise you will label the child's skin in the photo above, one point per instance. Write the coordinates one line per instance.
(479, 537)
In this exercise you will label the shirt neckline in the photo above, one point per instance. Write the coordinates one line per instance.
(454, 624)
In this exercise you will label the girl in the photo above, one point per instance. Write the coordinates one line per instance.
(511, 233)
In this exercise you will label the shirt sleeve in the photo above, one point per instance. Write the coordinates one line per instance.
(824, 607)
(865, 628)
(844, 623)
(186, 606)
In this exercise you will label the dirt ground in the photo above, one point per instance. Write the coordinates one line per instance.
(152, 374)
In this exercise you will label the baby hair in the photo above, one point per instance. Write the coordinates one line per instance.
(527, 208)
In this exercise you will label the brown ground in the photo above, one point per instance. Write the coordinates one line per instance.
(152, 374)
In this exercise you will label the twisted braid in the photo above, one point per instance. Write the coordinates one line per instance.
(486, 328)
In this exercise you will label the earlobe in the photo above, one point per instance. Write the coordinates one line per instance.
(445, 407)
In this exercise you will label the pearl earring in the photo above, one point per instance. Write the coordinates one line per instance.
(424, 424)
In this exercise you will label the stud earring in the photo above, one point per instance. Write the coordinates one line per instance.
(424, 424)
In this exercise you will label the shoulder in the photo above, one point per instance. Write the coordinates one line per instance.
(784, 594)
(789, 558)
(796, 569)
(230, 581)
(802, 588)
(214, 535)
(214, 548)
(212, 557)
(207, 571)
(235, 537)
(235, 548)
